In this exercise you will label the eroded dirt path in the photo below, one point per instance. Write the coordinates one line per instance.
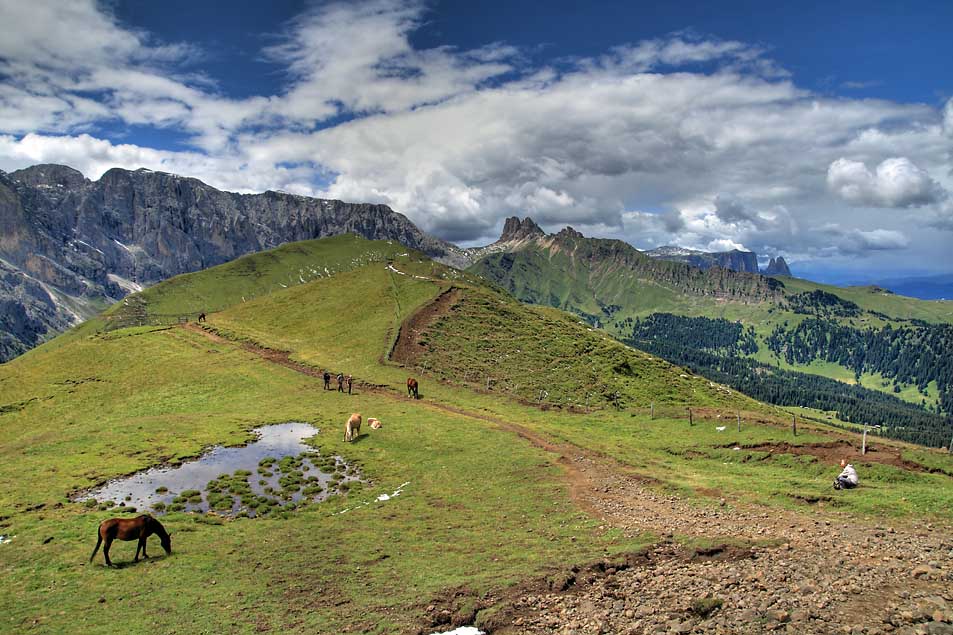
(407, 347)
(812, 573)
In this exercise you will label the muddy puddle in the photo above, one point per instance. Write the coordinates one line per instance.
(272, 474)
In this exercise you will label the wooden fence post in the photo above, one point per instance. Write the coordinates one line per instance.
(794, 425)
(653, 410)
(690, 421)
(738, 415)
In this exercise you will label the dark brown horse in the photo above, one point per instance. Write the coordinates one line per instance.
(138, 528)
(412, 388)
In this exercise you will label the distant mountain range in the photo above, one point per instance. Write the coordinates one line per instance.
(938, 287)
(597, 277)
(70, 246)
(736, 260)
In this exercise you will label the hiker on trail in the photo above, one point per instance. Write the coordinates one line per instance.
(340, 379)
(848, 478)
(349, 380)
(327, 380)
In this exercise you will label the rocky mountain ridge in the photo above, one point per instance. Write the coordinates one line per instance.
(520, 232)
(70, 246)
(568, 269)
(736, 260)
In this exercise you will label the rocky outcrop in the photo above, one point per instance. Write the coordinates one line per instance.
(29, 312)
(515, 229)
(85, 242)
(777, 267)
(735, 259)
(572, 272)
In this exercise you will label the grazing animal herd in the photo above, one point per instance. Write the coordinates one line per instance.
(141, 527)
(352, 428)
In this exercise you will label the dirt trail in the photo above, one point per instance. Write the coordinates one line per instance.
(814, 573)
(579, 485)
(406, 349)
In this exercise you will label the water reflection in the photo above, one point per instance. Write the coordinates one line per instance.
(274, 472)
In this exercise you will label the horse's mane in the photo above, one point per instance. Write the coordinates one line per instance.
(155, 524)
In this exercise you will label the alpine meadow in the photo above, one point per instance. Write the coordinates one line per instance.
(394, 317)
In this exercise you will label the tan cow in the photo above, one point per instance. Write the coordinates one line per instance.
(374, 423)
(352, 429)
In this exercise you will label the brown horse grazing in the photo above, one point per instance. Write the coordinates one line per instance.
(138, 528)
(412, 388)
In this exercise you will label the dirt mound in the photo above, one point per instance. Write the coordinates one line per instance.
(833, 451)
(408, 346)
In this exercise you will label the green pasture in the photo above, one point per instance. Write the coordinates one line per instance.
(164, 395)
(482, 508)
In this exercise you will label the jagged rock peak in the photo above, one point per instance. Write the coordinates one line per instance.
(777, 267)
(516, 229)
(569, 232)
(50, 174)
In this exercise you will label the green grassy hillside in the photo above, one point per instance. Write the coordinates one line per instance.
(101, 402)
(592, 279)
(487, 341)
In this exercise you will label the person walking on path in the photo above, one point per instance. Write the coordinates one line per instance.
(848, 478)
(327, 380)
(340, 379)
(349, 380)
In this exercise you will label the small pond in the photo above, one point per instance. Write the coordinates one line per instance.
(272, 474)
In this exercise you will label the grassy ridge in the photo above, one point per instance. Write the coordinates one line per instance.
(487, 341)
(260, 274)
(876, 299)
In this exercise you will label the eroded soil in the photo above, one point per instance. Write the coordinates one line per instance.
(832, 452)
(408, 347)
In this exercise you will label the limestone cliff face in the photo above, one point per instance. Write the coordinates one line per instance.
(86, 242)
(735, 259)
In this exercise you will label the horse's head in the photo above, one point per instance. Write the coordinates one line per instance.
(165, 538)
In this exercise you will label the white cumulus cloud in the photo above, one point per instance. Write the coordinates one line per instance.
(896, 182)
(676, 139)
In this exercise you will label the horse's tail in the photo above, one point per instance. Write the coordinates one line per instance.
(99, 541)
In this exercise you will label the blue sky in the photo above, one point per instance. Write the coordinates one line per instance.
(819, 131)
